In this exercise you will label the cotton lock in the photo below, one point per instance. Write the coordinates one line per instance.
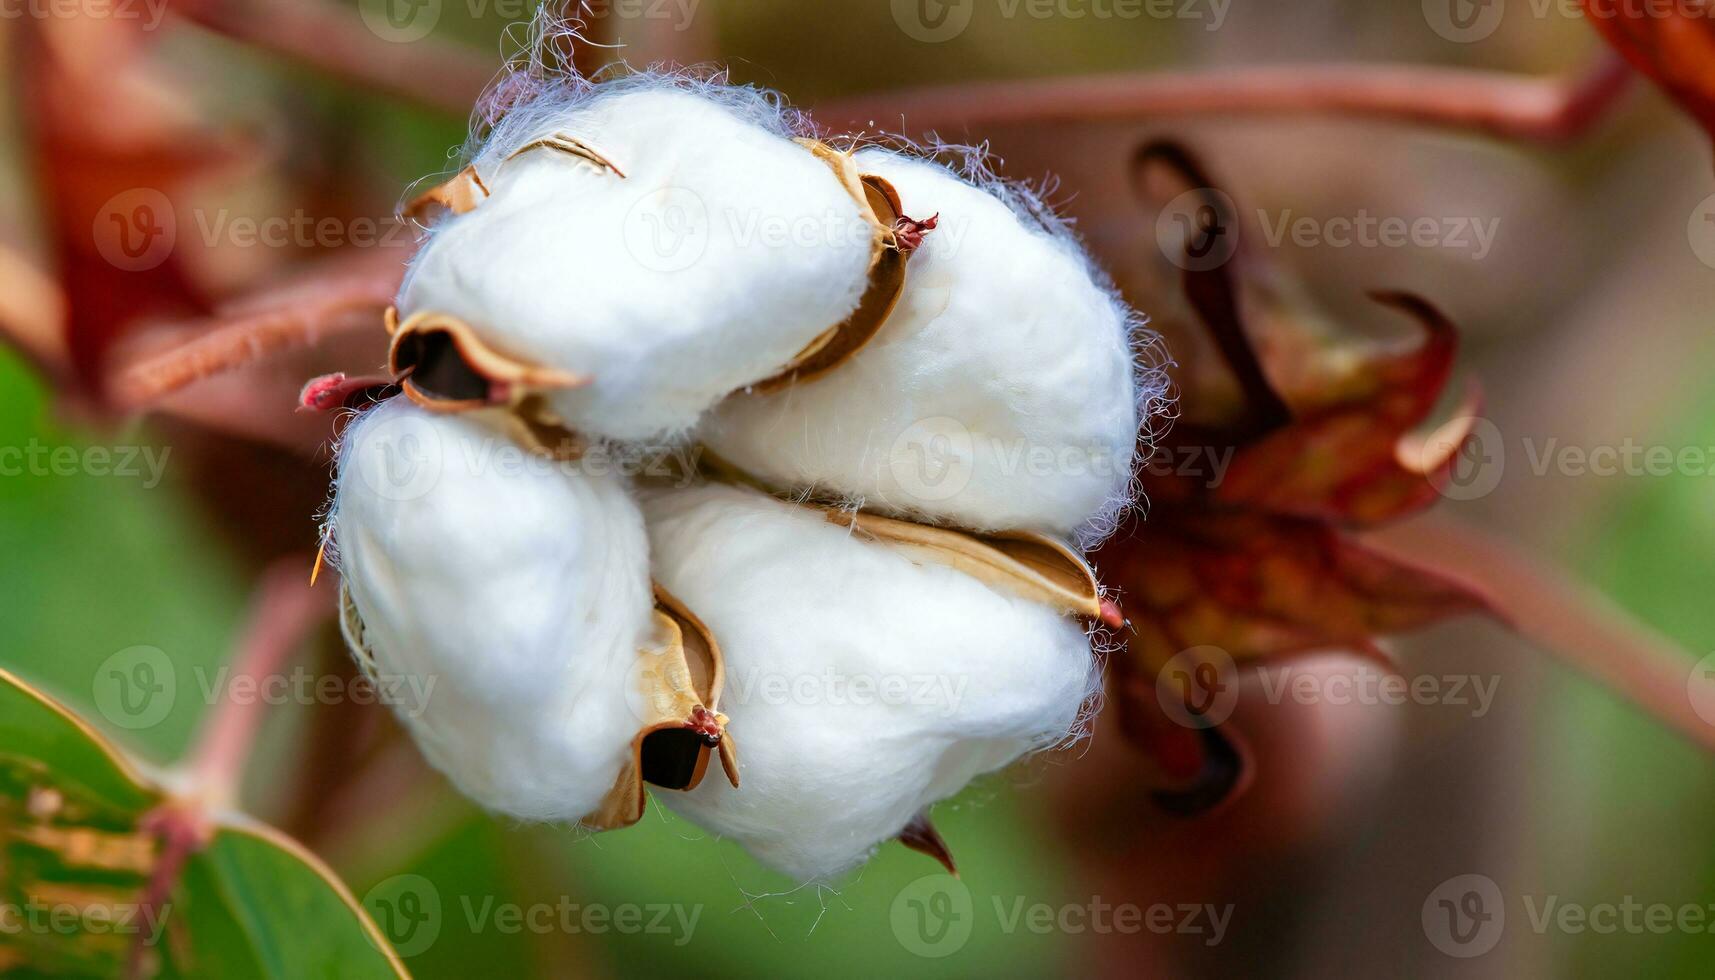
(1000, 393)
(655, 248)
(862, 686)
(521, 589)
(910, 398)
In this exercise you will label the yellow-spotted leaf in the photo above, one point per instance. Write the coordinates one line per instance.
(77, 855)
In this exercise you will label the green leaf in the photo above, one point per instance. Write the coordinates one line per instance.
(74, 865)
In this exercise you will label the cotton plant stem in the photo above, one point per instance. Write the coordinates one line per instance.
(341, 302)
(334, 39)
(1566, 619)
(1498, 103)
(283, 613)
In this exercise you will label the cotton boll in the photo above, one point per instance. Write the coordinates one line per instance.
(999, 394)
(668, 243)
(516, 586)
(861, 687)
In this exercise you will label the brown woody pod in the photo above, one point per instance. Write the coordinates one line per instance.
(443, 366)
(681, 676)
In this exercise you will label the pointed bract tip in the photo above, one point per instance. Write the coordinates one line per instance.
(921, 836)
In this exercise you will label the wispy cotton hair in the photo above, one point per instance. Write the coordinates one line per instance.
(540, 82)
(531, 596)
(611, 236)
(541, 86)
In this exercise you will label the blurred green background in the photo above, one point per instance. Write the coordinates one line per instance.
(1591, 325)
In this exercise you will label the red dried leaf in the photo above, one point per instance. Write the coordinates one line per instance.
(1248, 551)
(1673, 44)
(1263, 585)
(112, 144)
(1353, 461)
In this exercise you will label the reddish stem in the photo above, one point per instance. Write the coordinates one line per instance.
(1507, 105)
(182, 831)
(334, 39)
(279, 321)
(1565, 618)
(283, 613)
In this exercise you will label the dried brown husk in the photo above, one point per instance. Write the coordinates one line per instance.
(1027, 564)
(571, 145)
(462, 193)
(519, 377)
(543, 432)
(879, 204)
(681, 677)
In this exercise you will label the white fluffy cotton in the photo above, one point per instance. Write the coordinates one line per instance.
(999, 394)
(861, 687)
(512, 590)
(720, 255)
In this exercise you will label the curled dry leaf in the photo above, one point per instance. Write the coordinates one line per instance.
(1674, 46)
(1259, 562)
(112, 144)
